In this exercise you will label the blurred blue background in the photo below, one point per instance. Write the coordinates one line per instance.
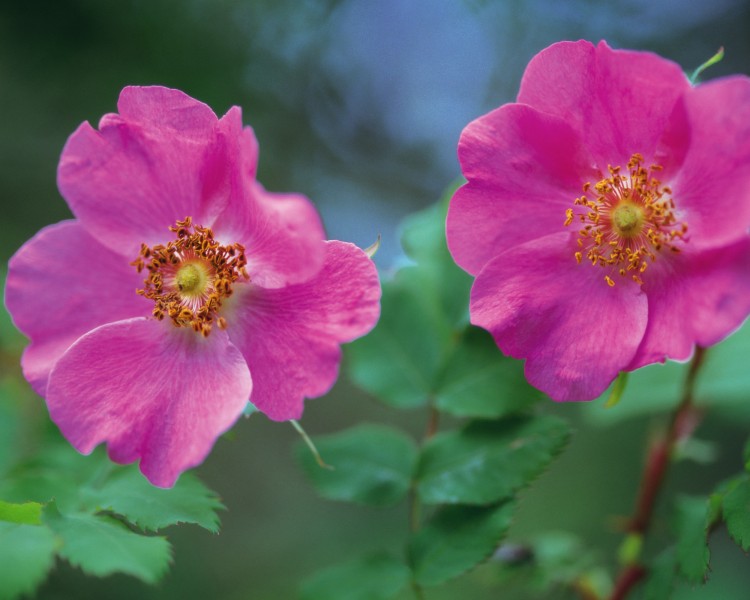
(357, 104)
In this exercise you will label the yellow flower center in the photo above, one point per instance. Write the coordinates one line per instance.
(188, 278)
(191, 279)
(626, 221)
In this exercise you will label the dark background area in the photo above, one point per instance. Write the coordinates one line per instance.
(357, 104)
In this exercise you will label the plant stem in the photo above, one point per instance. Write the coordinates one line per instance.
(415, 506)
(414, 509)
(432, 424)
(685, 419)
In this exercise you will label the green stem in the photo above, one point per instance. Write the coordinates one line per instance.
(683, 422)
(414, 503)
(415, 506)
(418, 591)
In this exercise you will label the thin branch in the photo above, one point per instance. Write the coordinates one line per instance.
(685, 419)
(415, 506)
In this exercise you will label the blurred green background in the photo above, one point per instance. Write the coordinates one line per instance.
(359, 105)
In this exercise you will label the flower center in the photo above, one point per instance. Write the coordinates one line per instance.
(626, 221)
(189, 277)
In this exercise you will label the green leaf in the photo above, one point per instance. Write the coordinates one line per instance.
(488, 461)
(56, 471)
(129, 494)
(399, 360)
(424, 308)
(12, 428)
(424, 241)
(28, 513)
(661, 576)
(101, 545)
(27, 553)
(423, 232)
(746, 455)
(376, 577)
(478, 381)
(691, 527)
(457, 539)
(372, 464)
(714, 515)
(736, 508)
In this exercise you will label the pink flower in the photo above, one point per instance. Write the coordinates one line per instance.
(239, 296)
(606, 216)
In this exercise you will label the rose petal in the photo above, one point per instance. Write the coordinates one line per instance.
(619, 101)
(61, 284)
(575, 331)
(151, 391)
(290, 336)
(159, 161)
(282, 233)
(525, 168)
(242, 140)
(712, 191)
(162, 107)
(698, 298)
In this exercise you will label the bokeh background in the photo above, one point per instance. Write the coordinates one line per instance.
(359, 105)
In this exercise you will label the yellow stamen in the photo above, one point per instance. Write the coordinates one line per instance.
(189, 277)
(568, 216)
(626, 218)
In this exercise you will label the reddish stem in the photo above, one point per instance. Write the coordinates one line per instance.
(432, 424)
(684, 421)
(627, 579)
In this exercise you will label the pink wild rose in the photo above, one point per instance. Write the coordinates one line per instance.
(239, 297)
(605, 216)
